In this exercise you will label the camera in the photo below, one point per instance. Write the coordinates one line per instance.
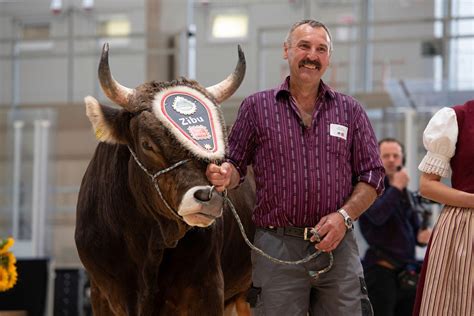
(422, 206)
(421, 200)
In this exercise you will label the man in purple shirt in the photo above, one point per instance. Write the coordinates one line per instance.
(316, 164)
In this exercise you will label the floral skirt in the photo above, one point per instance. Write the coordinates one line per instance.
(447, 281)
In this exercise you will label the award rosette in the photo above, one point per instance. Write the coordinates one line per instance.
(193, 119)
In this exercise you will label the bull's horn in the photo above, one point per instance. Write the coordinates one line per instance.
(112, 89)
(224, 89)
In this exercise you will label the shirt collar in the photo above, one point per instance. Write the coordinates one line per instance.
(284, 89)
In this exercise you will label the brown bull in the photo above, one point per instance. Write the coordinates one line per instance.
(150, 231)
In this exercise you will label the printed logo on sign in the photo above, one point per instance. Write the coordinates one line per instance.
(184, 106)
(338, 131)
(199, 132)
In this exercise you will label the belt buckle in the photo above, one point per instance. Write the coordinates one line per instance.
(305, 233)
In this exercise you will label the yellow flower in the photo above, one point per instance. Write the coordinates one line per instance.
(5, 244)
(13, 277)
(3, 279)
(11, 261)
(8, 273)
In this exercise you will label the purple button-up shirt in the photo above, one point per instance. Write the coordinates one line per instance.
(303, 173)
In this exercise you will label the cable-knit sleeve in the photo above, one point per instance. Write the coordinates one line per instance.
(440, 138)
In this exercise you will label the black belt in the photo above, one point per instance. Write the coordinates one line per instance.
(298, 232)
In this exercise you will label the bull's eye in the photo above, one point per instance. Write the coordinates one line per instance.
(146, 145)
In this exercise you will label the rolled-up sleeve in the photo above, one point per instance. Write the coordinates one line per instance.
(366, 163)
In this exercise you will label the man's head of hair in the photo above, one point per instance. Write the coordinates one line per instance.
(312, 23)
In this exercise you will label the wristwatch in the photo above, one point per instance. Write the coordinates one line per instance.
(347, 219)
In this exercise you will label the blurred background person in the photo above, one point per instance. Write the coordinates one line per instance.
(392, 229)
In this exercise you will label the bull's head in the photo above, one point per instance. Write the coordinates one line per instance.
(158, 122)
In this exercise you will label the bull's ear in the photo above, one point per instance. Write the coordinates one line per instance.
(105, 121)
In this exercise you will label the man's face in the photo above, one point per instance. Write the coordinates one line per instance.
(392, 156)
(308, 53)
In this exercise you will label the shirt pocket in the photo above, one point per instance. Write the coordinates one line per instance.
(338, 145)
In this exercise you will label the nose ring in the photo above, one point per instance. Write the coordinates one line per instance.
(210, 191)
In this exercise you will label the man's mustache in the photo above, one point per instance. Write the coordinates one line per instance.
(315, 63)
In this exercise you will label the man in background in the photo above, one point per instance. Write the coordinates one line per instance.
(391, 227)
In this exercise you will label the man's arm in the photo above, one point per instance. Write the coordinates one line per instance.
(331, 227)
(361, 198)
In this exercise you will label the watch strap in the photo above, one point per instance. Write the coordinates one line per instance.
(347, 219)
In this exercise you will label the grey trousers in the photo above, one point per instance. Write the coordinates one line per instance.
(289, 290)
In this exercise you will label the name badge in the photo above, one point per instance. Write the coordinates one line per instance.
(337, 130)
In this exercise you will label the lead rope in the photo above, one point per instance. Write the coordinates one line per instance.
(313, 274)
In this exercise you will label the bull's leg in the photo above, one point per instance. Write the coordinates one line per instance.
(149, 291)
(230, 309)
(242, 306)
(238, 306)
(191, 303)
